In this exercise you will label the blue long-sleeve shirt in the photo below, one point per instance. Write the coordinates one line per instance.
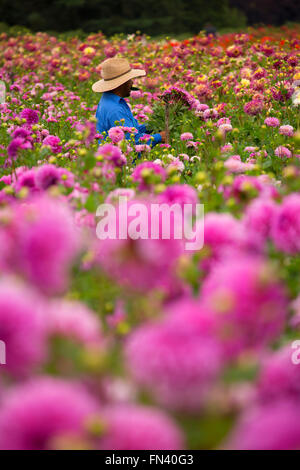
(112, 108)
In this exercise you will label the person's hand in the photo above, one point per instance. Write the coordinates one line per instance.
(163, 136)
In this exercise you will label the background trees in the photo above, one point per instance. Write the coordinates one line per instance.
(149, 16)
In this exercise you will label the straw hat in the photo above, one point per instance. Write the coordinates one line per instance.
(115, 72)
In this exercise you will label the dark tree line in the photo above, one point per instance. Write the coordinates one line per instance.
(272, 12)
(149, 16)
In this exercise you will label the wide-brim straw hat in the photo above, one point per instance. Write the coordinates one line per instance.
(115, 72)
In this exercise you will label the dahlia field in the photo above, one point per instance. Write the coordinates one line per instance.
(131, 344)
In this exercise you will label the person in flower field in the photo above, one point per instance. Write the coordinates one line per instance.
(115, 85)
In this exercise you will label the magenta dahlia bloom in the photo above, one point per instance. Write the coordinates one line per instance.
(234, 51)
(21, 132)
(258, 219)
(116, 134)
(175, 94)
(34, 416)
(210, 114)
(223, 120)
(132, 427)
(6, 247)
(67, 178)
(31, 116)
(243, 184)
(75, 321)
(202, 107)
(112, 154)
(133, 258)
(249, 302)
(178, 359)
(114, 195)
(7, 179)
(235, 165)
(226, 148)
(53, 142)
(253, 107)
(224, 128)
(179, 194)
(286, 130)
(16, 144)
(279, 377)
(145, 172)
(273, 426)
(285, 230)
(186, 136)
(282, 151)
(250, 149)
(46, 176)
(272, 122)
(295, 320)
(22, 327)
(222, 233)
(89, 132)
(142, 148)
(45, 243)
(26, 179)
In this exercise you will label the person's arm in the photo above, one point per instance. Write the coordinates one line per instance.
(142, 128)
(120, 118)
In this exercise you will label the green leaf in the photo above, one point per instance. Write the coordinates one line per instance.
(267, 164)
(89, 162)
(91, 203)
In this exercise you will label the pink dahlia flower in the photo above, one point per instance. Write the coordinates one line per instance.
(132, 427)
(249, 302)
(46, 176)
(116, 134)
(222, 232)
(282, 151)
(279, 377)
(186, 136)
(45, 242)
(27, 180)
(286, 130)
(178, 359)
(253, 107)
(226, 148)
(112, 154)
(34, 415)
(22, 327)
(225, 128)
(16, 144)
(258, 219)
(246, 186)
(30, 115)
(179, 194)
(272, 122)
(250, 149)
(235, 165)
(271, 427)
(21, 132)
(75, 321)
(136, 258)
(142, 148)
(145, 171)
(53, 142)
(114, 195)
(285, 230)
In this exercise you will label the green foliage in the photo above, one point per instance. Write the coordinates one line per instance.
(167, 16)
